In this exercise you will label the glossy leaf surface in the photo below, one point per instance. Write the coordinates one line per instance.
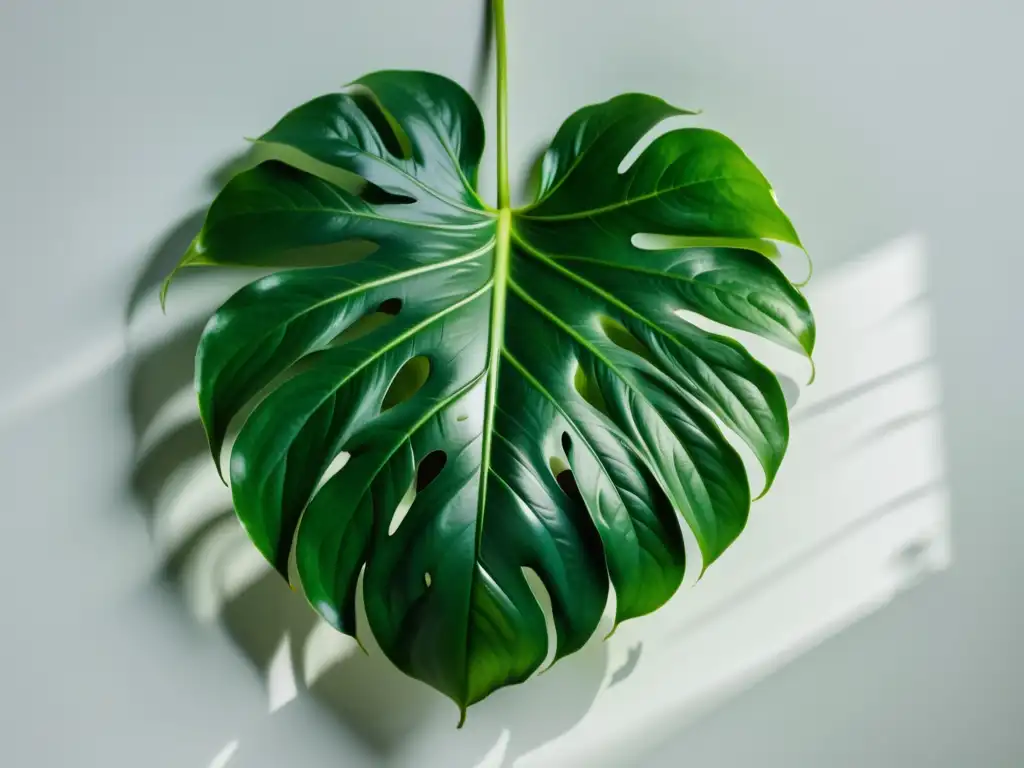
(509, 391)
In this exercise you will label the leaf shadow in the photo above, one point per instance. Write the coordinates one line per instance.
(530, 173)
(484, 50)
(628, 667)
(221, 582)
(169, 249)
(803, 557)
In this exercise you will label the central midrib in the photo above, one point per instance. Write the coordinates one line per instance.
(495, 342)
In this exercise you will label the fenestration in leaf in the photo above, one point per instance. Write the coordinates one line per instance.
(530, 385)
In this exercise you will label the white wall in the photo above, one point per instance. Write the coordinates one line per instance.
(926, 122)
(873, 119)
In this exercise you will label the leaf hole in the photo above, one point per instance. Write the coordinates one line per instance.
(426, 579)
(271, 154)
(327, 254)
(558, 465)
(430, 468)
(391, 133)
(621, 337)
(669, 125)
(589, 390)
(402, 509)
(368, 323)
(463, 417)
(390, 306)
(566, 480)
(566, 443)
(543, 598)
(652, 241)
(407, 382)
(336, 465)
(375, 195)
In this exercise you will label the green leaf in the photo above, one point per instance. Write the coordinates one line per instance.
(446, 397)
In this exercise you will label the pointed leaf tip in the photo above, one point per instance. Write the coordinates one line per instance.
(164, 287)
(810, 269)
(194, 255)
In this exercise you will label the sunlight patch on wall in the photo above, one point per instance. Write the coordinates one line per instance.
(858, 513)
(223, 757)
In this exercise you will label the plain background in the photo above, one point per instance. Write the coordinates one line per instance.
(873, 119)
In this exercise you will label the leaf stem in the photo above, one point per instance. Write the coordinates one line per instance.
(499, 33)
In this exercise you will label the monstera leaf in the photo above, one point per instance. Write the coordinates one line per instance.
(449, 396)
